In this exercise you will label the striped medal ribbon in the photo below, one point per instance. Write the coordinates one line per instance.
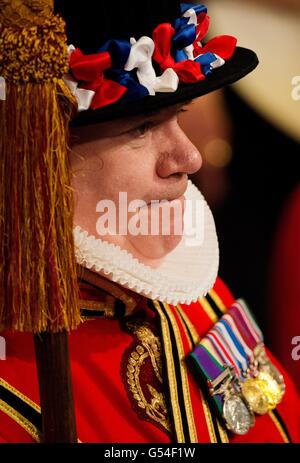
(259, 392)
(221, 379)
(251, 337)
(255, 390)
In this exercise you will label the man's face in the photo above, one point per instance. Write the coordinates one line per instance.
(146, 158)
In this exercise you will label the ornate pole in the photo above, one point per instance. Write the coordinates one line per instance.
(38, 279)
(53, 365)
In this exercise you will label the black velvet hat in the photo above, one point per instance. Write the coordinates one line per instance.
(101, 26)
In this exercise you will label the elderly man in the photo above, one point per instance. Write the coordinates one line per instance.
(163, 352)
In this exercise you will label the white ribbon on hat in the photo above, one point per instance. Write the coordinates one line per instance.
(193, 19)
(140, 58)
(83, 97)
(190, 52)
(192, 15)
(215, 64)
(218, 62)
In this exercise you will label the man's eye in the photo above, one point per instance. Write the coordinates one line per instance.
(142, 129)
(183, 110)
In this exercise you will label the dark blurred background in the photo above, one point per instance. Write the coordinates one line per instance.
(249, 137)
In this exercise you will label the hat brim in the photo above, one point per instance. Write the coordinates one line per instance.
(242, 63)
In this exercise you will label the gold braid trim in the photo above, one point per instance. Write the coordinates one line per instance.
(206, 410)
(218, 301)
(19, 394)
(171, 374)
(208, 310)
(20, 420)
(279, 428)
(192, 330)
(17, 417)
(184, 375)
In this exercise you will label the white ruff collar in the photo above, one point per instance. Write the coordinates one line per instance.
(187, 273)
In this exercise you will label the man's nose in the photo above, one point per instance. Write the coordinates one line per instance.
(177, 154)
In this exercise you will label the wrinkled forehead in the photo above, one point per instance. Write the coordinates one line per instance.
(83, 134)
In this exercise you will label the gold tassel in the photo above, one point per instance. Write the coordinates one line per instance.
(38, 280)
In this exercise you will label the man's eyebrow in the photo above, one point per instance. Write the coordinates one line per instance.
(110, 129)
(137, 121)
(186, 103)
(157, 113)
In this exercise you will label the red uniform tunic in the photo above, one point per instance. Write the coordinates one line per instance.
(130, 380)
(284, 306)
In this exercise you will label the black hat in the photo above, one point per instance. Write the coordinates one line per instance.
(101, 32)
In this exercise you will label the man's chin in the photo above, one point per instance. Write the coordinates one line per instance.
(154, 247)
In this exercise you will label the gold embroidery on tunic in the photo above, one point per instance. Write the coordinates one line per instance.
(107, 307)
(149, 347)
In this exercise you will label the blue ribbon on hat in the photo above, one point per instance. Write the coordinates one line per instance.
(135, 91)
(119, 50)
(205, 61)
(188, 6)
(186, 35)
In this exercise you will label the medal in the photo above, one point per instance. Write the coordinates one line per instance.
(262, 368)
(231, 358)
(254, 391)
(266, 366)
(224, 389)
(262, 393)
(258, 386)
(237, 415)
(273, 388)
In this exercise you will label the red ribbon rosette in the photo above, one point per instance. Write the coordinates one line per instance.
(188, 71)
(89, 71)
(223, 46)
(202, 26)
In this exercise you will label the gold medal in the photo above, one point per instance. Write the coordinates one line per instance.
(273, 389)
(254, 391)
(271, 370)
(265, 365)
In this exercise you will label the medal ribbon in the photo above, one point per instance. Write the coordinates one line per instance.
(249, 321)
(232, 340)
(243, 338)
(218, 346)
(243, 328)
(208, 344)
(222, 338)
(209, 368)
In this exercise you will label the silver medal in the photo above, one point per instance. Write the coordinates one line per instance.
(237, 416)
